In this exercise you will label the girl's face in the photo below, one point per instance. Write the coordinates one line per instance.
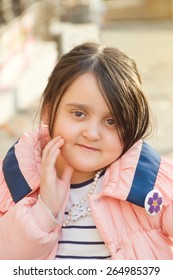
(84, 120)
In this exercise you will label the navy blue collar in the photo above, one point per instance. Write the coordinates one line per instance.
(15, 181)
(143, 182)
(145, 175)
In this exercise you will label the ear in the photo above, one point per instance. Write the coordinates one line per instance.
(45, 117)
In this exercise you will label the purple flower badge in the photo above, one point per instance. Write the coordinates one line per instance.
(153, 202)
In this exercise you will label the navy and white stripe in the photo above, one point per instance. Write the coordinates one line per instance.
(80, 239)
(145, 175)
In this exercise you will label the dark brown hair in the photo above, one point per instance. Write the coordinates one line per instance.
(119, 82)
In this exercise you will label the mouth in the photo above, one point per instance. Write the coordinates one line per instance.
(89, 148)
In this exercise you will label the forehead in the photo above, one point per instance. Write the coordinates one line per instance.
(85, 90)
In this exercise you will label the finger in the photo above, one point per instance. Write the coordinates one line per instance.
(54, 143)
(50, 159)
(67, 174)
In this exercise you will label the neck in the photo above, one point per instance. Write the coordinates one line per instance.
(77, 176)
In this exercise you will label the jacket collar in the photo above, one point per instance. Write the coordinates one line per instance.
(130, 178)
(145, 175)
(134, 175)
(15, 180)
(22, 164)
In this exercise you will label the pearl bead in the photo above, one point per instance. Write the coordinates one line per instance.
(82, 201)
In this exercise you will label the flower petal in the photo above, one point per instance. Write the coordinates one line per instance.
(157, 209)
(151, 209)
(159, 201)
(150, 201)
(155, 195)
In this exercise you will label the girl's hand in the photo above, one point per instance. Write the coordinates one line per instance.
(53, 190)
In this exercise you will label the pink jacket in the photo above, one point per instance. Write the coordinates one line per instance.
(29, 231)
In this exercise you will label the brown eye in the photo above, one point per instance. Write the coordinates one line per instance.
(79, 114)
(110, 121)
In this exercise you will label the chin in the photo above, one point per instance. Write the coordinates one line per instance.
(86, 168)
(83, 165)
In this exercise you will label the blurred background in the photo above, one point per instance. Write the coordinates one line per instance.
(34, 34)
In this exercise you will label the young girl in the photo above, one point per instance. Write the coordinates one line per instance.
(85, 185)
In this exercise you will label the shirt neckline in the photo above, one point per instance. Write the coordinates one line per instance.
(85, 183)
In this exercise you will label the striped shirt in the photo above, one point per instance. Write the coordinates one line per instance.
(81, 239)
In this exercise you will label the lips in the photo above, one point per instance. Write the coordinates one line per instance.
(89, 148)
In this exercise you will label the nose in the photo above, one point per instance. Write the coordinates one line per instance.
(92, 131)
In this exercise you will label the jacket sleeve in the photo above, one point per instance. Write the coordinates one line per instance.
(27, 229)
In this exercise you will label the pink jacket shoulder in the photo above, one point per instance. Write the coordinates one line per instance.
(28, 229)
(138, 196)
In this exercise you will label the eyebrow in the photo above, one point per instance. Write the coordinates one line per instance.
(79, 105)
(84, 107)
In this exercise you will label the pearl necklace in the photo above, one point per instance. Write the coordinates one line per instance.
(81, 209)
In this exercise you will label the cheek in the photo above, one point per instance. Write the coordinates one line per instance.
(114, 146)
(65, 129)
